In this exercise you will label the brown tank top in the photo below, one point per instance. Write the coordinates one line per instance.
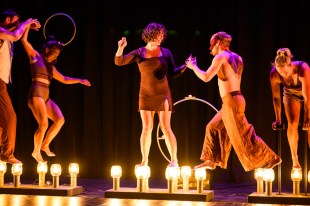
(41, 69)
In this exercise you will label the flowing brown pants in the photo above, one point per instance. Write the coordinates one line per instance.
(230, 128)
(8, 123)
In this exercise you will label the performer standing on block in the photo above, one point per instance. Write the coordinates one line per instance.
(11, 30)
(156, 64)
(295, 78)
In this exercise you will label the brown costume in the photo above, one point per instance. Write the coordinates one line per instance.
(230, 128)
(40, 69)
(154, 84)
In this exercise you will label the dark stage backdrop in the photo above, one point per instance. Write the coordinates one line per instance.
(103, 125)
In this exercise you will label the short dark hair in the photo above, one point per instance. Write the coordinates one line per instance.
(8, 13)
(51, 43)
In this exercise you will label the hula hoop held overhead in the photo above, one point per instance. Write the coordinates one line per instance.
(61, 14)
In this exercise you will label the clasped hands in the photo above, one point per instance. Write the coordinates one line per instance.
(34, 24)
(191, 62)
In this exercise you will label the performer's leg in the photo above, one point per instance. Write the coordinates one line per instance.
(55, 114)
(147, 118)
(8, 122)
(38, 108)
(292, 111)
(216, 146)
(171, 142)
(251, 150)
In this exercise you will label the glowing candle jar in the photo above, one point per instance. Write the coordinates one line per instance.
(17, 170)
(116, 173)
(55, 172)
(296, 177)
(42, 170)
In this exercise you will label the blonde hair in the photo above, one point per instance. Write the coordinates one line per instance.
(284, 57)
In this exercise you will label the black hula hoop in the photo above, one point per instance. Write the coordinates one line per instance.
(61, 14)
(189, 97)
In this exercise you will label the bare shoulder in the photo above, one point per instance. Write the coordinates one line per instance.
(236, 56)
(304, 65)
(273, 73)
(274, 76)
(304, 69)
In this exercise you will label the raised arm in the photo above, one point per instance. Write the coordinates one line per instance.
(121, 45)
(32, 54)
(17, 33)
(69, 80)
(276, 95)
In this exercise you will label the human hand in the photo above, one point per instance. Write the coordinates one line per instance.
(191, 62)
(34, 24)
(122, 43)
(85, 82)
(277, 125)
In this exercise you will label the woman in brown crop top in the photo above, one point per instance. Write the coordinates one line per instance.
(155, 65)
(295, 78)
(43, 70)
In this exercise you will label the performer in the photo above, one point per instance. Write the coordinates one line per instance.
(156, 64)
(295, 78)
(11, 30)
(43, 70)
(229, 127)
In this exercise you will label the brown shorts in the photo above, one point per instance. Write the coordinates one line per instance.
(39, 89)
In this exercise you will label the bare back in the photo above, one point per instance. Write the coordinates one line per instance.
(229, 75)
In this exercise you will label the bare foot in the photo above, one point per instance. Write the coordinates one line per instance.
(297, 166)
(48, 151)
(38, 157)
(11, 160)
(206, 165)
(274, 162)
(173, 164)
(143, 163)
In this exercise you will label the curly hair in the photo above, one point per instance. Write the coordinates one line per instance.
(152, 30)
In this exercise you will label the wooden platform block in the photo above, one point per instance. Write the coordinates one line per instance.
(25, 189)
(275, 198)
(160, 194)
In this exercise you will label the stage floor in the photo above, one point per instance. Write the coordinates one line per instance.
(94, 191)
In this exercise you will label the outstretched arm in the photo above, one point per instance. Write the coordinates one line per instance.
(173, 71)
(69, 80)
(211, 71)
